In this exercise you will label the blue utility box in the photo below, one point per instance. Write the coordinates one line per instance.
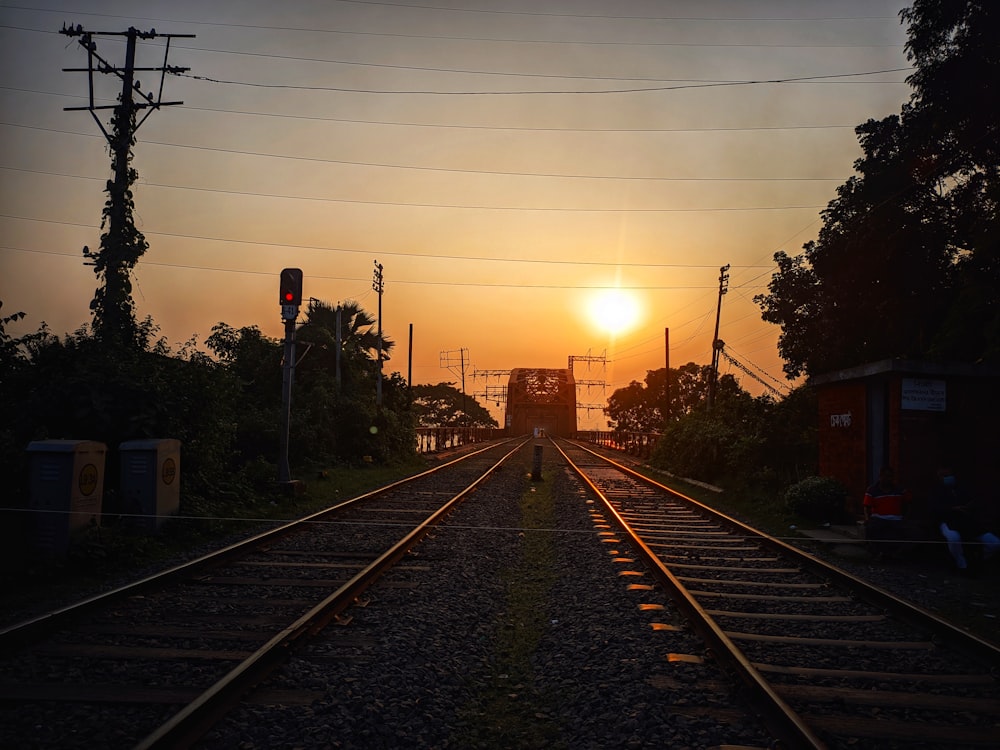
(150, 481)
(66, 479)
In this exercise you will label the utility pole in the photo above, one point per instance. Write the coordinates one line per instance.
(448, 361)
(666, 380)
(409, 362)
(379, 286)
(123, 244)
(340, 345)
(713, 376)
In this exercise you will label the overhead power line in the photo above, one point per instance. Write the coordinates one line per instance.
(422, 168)
(614, 16)
(465, 126)
(520, 74)
(408, 204)
(422, 256)
(416, 282)
(583, 92)
(462, 38)
(743, 20)
(750, 373)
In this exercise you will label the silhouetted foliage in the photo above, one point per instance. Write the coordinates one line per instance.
(791, 437)
(713, 444)
(819, 499)
(443, 405)
(225, 409)
(639, 407)
(636, 407)
(122, 244)
(254, 361)
(907, 263)
(742, 441)
(83, 388)
(337, 418)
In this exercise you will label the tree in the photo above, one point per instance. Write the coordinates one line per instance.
(689, 388)
(247, 352)
(254, 362)
(723, 441)
(16, 377)
(334, 414)
(358, 335)
(874, 283)
(639, 407)
(907, 263)
(742, 440)
(443, 405)
(330, 422)
(954, 51)
(790, 437)
(630, 410)
(956, 104)
(11, 349)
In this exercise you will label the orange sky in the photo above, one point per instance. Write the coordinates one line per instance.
(504, 161)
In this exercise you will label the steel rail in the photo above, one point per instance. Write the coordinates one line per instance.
(875, 595)
(197, 717)
(780, 718)
(17, 634)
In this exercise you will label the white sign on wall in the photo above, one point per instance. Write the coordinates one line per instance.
(924, 395)
(840, 420)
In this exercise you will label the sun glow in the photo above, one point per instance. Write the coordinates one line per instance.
(614, 311)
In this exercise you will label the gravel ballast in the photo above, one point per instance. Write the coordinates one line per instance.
(511, 627)
(516, 624)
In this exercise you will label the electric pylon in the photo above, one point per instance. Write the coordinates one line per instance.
(122, 244)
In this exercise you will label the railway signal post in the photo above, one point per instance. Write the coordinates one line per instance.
(290, 299)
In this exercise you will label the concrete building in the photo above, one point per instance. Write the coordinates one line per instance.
(912, 416)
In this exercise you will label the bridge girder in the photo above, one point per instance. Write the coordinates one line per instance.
(541, 399)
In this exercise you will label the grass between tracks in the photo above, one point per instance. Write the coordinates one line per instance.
(508, 711)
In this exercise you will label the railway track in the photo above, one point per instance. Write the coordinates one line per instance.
(154, 663)
(514, 630)
(826, 659)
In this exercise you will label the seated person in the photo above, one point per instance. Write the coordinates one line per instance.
(955, 515)
(884, 505)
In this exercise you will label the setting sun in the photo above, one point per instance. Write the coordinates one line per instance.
(614, 310)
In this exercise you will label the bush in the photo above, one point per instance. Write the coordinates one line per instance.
(818, 499)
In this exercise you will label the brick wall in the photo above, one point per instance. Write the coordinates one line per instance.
(842, 430)
(966, 434)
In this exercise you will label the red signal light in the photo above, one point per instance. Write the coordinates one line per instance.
(291, 287)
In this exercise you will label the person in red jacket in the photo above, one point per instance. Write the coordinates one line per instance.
(885, 504)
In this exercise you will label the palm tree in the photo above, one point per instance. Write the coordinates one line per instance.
(354, 361)
(356, 333)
